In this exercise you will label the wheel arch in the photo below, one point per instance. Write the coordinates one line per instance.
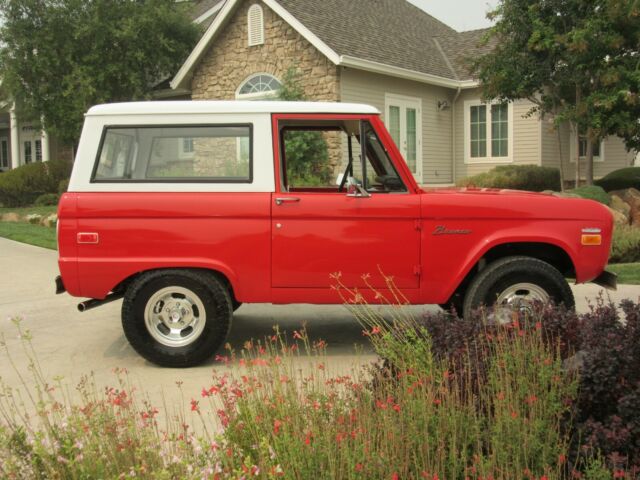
(549, 252)
(219, 273)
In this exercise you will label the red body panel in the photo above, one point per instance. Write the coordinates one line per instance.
(427, 240)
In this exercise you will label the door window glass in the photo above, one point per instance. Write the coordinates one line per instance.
(412, 139)
(321, 156)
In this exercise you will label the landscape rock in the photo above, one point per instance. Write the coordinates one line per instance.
(10, 217)
(34, 218)
(619, 205)
(618, 217)
(50, 221)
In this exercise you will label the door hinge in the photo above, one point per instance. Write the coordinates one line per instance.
(418, 225)
(417, 270)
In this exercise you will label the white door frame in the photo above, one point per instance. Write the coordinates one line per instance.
(404, 102)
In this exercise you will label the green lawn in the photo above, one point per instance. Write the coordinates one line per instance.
(24, 211)
(31, 234)
(628, 273)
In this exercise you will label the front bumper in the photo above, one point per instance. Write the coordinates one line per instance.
(607, 280)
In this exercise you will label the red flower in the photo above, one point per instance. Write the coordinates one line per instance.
(561, 459)
(396, 407)
(359, 467)
(297, 335)
(276, 426)
(619, 474)
(395, 476)
(375, 330)
(194, 406)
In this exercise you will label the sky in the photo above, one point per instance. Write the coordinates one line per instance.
(459, 14)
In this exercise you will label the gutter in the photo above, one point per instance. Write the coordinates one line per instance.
(453, 135)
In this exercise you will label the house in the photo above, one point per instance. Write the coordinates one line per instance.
(389, 54)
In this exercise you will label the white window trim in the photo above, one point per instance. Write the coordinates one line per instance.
(404, 100)
(467, 134)
(572, 151)
(251, 27)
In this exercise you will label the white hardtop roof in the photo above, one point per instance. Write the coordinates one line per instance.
(232, 107)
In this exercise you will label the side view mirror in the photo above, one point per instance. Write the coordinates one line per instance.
(354, 189)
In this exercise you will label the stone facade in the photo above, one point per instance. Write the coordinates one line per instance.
(230, 61)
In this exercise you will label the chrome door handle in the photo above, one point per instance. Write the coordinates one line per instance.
(281, 200)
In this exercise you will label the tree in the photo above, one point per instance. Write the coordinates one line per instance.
(60, 57)
(576, 60)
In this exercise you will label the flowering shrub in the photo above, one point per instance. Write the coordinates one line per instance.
(461, 400)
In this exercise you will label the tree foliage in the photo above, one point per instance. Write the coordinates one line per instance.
(307, 151)
(59, 57)
(578, 60)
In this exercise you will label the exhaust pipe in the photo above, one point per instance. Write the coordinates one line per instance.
(93, 303)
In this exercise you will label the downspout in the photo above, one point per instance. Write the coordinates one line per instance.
(453, 134)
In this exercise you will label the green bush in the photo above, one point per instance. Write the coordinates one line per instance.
(23, 185)
(592, 192)
(516, 177)
(47, 199)
(63, 186)
(620, 179)
(626, 244)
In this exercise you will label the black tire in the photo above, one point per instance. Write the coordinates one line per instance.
(212, 324)
(502, 274)
(235, 304)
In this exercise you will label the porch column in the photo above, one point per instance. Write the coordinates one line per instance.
(45, 145)
(15, 139)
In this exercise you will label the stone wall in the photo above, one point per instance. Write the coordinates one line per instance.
(230, 60)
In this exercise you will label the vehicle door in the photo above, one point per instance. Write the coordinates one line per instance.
(341, 205)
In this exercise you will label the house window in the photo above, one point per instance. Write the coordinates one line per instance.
(583, 148)
(599, 150)
(259, 86)
(27, 152)
(38, 145)
(488, 132)
(256, 25)
(4, 153)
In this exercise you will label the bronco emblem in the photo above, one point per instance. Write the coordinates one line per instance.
(442, 230)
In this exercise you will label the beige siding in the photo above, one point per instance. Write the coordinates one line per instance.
(526, 136)
(615, 153)
(364, 87)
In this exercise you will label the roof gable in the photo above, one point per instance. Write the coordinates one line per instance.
(391, 37)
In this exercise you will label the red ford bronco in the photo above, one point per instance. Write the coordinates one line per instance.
(189, 209)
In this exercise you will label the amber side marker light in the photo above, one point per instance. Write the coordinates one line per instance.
(591, 236)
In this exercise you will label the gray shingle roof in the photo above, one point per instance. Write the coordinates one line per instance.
(463, 47)
(392, 32)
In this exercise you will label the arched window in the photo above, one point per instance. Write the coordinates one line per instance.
(255, 20)
(259, 86)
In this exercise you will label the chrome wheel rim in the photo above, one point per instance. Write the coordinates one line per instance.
(175, 316)
(519, 297)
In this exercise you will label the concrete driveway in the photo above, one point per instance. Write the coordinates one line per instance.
(70, 343)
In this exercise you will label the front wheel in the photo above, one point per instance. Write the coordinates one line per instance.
(176, 318)
(517, 283)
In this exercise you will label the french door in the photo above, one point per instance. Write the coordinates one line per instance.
(403, 118)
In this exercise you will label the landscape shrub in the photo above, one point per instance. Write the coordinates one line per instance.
(23, 185)
(592, 192)
(625, 247)
(284, 414)
(620, 179)
(47, 200)
(63, 186)
(516, 177)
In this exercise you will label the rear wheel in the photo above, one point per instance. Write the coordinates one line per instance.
(176, 318)
(516, 283)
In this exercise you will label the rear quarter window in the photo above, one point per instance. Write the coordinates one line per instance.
(210, 153)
